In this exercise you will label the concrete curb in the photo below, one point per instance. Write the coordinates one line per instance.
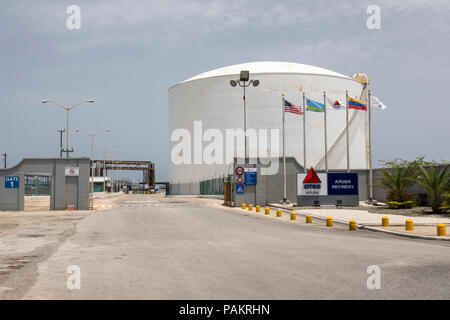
(370, 228)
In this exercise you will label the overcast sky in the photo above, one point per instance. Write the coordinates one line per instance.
(128, 53)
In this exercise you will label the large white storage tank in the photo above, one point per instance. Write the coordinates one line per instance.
(209, 98)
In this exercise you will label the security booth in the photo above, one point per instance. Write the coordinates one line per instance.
(332, 188)
(67, 179)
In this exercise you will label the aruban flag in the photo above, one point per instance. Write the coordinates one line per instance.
(315, 106)
(336, 104)
(356, 104)
(292, 108)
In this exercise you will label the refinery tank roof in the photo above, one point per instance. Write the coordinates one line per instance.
(267, 67)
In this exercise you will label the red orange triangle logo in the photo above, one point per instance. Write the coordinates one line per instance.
(312, 177)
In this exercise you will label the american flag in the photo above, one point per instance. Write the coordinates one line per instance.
(292, 108)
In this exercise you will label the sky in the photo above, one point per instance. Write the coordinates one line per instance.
(127, 54)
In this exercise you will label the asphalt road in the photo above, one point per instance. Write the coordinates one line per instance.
(186, 248)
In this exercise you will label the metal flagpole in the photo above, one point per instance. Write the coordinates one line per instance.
(325, 129)
(346, 131)
(304, 132)
(284, 153)
(370, 151)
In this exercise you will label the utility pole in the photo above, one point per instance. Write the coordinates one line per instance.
(4, 159)
(61, 131)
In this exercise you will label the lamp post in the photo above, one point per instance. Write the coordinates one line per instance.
(67, 112)
(244, 82)
(61, 131)
(92, 160)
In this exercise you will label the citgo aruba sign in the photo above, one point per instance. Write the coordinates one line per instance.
(312, 184)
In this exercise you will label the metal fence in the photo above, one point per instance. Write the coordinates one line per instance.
(37, 185)
(214, 186)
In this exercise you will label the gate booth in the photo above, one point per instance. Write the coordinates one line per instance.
(333, 188)
(68, 182)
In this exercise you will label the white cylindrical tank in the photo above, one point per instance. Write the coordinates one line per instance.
(211, 99)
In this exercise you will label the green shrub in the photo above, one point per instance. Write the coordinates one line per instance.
(400, 205)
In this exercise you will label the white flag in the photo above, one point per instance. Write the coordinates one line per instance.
(376, 103)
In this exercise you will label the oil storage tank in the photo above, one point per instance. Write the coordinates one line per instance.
(209, 98)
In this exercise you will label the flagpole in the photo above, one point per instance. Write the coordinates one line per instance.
(325, 129)
(346, 131)
(304, 133)
(370, 152)
(284, 152)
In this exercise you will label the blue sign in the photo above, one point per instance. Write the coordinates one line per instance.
(343, 184)
(250, 176)
(11, 182)
(240, 188)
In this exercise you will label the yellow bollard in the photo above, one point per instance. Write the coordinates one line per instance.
(244, 206)
(267, 210)
(293, 215)
(352, 225)
(279, 214)
(258, 209)
(308, 218)
(441, 232)
(329, 221)
(250, 207)
(409, 225)
(385, 222)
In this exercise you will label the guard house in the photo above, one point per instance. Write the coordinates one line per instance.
(68, 181)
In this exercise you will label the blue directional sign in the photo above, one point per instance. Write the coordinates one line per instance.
(240, 188)
(342, 184)
(11, 182)
(250, 176)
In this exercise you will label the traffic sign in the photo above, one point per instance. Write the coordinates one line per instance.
(239, 171)
(240, 188)
(11, 182)
(239, 180)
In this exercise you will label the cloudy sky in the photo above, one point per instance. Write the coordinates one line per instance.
(128, 53)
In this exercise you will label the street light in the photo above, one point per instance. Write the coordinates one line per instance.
(244, 82)
(67, 111)
(92, 159)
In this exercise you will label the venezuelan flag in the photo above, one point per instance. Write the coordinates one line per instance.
(315, 106)
(356, 104)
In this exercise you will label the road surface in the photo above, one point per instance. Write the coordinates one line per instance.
(145, 247)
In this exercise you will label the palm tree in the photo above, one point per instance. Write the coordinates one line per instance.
(435, 182)
(397, 178)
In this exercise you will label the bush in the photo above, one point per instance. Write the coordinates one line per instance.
(400, 205)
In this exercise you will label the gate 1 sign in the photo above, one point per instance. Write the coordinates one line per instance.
(345, 184)
(11, 182)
